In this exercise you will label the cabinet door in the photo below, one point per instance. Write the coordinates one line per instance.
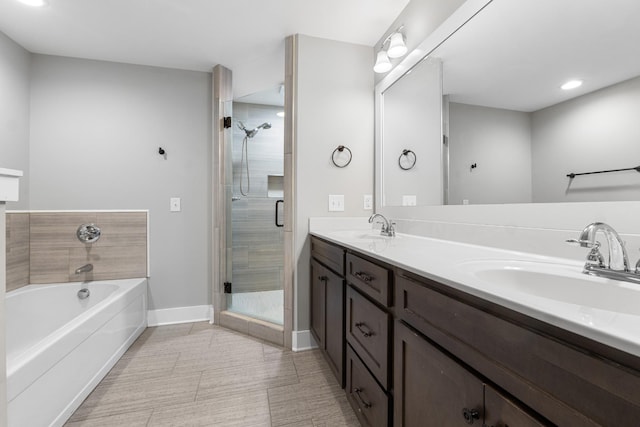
(432, 390)
(334, 324)
(502, 412)
(318, 302)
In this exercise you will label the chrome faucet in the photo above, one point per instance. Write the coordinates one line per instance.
(388, 228)
(84, 269)
(617, 263)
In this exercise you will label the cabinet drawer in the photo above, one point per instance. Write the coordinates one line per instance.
(370, 279)
(369, 401)
(367, 330)
(330, 255)
(565, 384)
(499, 411)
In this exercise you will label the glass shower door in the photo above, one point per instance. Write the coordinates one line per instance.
(257, 237)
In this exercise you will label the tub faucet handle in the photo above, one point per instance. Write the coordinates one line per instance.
(84, 269)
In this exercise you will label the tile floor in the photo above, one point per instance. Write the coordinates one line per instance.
(197, 374)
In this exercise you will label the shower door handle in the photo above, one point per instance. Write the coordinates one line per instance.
(278, 214)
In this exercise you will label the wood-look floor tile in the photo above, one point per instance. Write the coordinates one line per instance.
(142, 367)
(116, 398)
(129, 419)
(219, 378)
(259, 375)
(176, 340)
(288, 405)
(310, 362)
(247, 409)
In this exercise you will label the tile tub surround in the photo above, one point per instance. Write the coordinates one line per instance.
(199, 374)
(42, 247)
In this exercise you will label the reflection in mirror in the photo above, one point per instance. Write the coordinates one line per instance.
(514, 135)
(412, 122)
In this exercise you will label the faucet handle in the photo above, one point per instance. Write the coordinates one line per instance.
(583, 243)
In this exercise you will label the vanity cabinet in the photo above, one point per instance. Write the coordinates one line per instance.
(561, 377)
(432, 389)
(327, 303)
(421, 353)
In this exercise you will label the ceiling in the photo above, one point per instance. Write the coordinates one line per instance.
(516, 54)
(246, 36)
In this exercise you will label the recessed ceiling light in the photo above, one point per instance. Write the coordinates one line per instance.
(35, 3)
(571, 84)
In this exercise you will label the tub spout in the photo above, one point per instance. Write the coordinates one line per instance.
(84, 269)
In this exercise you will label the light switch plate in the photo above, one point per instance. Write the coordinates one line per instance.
(336, 202)
(174, 204)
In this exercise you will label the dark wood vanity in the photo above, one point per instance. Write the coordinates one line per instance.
(415, 352)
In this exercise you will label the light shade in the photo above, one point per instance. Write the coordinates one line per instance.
(397, 48)
(382, 63)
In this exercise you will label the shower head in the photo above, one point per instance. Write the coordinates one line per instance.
(252, 132)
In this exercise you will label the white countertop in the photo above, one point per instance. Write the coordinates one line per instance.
(610, 319)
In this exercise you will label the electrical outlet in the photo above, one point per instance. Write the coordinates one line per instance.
(368, 202)
(336, 202)
(174, 204)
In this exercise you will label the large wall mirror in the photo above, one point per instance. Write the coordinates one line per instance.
(511, 133)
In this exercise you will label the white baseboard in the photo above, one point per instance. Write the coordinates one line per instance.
(302, 340)
(170, 316)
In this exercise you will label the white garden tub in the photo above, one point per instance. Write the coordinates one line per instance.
(59, 346)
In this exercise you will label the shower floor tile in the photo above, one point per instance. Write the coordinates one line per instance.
(203, 375)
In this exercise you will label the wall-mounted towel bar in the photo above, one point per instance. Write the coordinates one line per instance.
(573, 175)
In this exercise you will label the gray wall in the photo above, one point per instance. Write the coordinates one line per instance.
(597, 131)
(335, 107)
(14, 114)
(412, 121)
(95, 132)
(499, 142)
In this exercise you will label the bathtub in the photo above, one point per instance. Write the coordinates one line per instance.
(59, 347)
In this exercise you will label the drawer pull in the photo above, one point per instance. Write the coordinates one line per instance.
(323, 278)
(366, 333)
(364, 276)
(366, 404)
(470, 415)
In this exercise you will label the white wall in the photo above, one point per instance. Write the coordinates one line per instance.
(335, 107)
(498, 142)
(597, 131)
(14, 114)
(95, 132)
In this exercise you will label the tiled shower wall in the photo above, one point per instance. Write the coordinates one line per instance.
(258, 245)
(42, 247)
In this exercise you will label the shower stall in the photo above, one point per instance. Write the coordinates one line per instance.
(255, 286)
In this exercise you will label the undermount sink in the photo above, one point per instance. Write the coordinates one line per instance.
(362, 235)
(564, 283)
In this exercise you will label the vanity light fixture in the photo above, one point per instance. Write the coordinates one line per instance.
(280, 114)
(571, 84)
(397, 49)
(382, 63)
(34, 3)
